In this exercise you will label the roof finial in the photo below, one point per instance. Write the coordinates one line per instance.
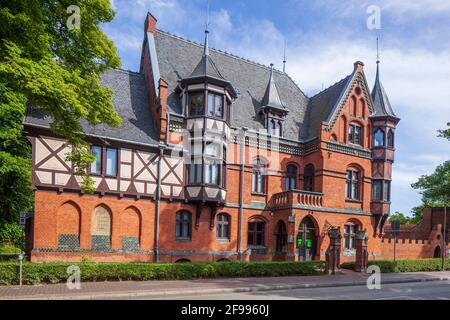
(284, 58)
(206, 49)
(378, 53)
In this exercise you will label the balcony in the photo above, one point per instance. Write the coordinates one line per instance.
(294, 198)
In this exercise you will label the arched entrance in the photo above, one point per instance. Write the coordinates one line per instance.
(307, 239)
(437, 252)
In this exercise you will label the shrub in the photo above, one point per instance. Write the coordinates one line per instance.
(34, 273)
(11, 234)
(407, 265)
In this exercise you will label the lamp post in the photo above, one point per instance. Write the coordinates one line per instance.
(444, 246)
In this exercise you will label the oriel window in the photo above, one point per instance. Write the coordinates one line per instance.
(215, 105)
(197, 104)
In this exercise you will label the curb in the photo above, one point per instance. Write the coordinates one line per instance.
(173, 293)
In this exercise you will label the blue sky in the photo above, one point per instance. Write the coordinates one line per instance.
(323, 39)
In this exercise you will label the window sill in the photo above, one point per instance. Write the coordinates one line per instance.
(183, 240)
(259, 194)
(223, 241)
(353, 200)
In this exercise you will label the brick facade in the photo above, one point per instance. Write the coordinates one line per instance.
(119, 221)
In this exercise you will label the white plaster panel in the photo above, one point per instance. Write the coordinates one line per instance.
(54, 144)
(97, 181)
(125, 155)
(61, 179)
(176, 191)
(124, 185)
(139, 186)
(146, 176)
(165, 190)
(41, 151)
(193, 191)
(112, 184)
(151, 187)
(125, 171)
(212, 192)
(53, 164)
(44, 177)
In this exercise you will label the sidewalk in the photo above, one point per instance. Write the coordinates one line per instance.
(97, 290)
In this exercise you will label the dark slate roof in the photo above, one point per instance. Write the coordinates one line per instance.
(179, 57)
(131, 102)
(380, 99)
(322, 104)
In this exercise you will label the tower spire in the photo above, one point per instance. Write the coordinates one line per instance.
(284, 58)
(206, 47)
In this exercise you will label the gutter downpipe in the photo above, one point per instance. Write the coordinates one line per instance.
(241, 193)
(158, 202)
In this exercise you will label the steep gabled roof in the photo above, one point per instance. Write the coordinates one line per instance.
(322, 105)
(380, 99)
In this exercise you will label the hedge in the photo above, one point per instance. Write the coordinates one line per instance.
(40, 273)
(409, 265)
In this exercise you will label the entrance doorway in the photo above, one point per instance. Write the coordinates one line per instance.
(437, 252)
(306, 239)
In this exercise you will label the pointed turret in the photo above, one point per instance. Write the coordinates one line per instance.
(380, 99)
(206, 67)
(271, 97)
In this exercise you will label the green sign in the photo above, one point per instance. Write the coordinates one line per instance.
(299, 242)
(308, 244)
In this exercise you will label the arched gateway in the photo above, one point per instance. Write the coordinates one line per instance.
(307, 239)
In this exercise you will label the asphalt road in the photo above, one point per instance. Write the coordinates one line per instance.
(407, 291)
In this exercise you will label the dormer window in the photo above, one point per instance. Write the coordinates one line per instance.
(196, 104)
(275, 127)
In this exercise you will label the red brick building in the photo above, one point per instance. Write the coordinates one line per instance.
(218, 158)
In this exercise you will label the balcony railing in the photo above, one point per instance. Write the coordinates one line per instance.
(297, 197)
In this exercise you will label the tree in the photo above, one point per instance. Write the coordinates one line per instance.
(48, 64)
(398, 216)
(435, 188)
(445, 133)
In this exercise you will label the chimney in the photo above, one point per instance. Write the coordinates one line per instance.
(359, 66)
(150, 24)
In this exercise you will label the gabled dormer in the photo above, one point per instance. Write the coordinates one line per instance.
(272, 108)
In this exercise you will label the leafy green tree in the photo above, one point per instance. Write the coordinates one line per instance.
(435, 188)
(48, 64)
(445, 133)
(398, 216)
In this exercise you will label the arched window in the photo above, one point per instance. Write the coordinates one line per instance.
(223, 227)
(256, 232)
(258, 176)
(68, 226)
(355, 134)
(353, 184)
(291, 177)
(378, 138)
(183, 225)
(281, 237)
(101, 229)
(308, 178)
(350, 230)
(390, 138)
